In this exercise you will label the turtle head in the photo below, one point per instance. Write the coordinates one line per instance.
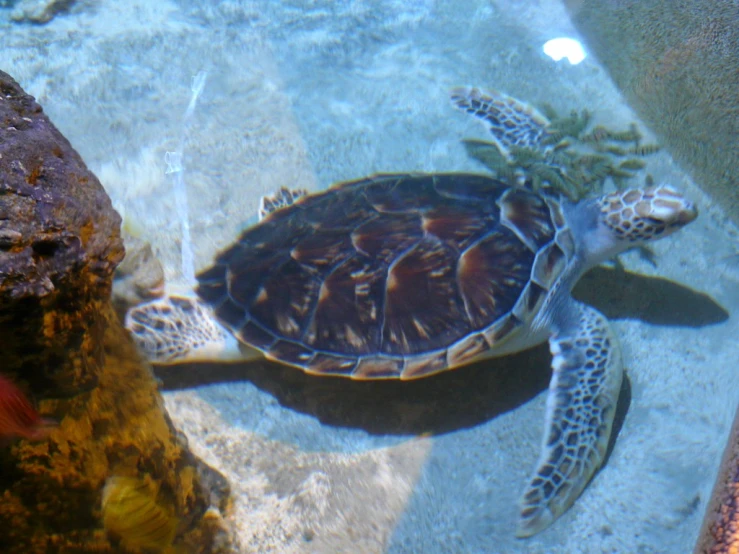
(640, 215)
(628, 218)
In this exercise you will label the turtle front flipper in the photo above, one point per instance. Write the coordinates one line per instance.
(281, 199)
(512, 123)
(583, 392)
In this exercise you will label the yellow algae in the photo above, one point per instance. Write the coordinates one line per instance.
(133, 513)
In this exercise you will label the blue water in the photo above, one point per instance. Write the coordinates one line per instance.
(304, 94)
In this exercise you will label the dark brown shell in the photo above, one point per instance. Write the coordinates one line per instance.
(391, 276)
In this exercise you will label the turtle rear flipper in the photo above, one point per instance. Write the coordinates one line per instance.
(511, 122)
(177, 329)
(583, 393)
(280, 199)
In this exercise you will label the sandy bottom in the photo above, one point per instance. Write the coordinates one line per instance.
(306, 96)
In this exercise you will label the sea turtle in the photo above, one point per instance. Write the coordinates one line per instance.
(401, 276)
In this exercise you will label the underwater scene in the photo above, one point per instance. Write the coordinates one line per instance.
(400, 277)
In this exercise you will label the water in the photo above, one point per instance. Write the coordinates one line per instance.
(303, 94)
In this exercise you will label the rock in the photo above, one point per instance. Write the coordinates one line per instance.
(40, 11)
(62, 341)
(720, 529)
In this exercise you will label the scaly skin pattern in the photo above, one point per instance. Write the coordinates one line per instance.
(586, 380)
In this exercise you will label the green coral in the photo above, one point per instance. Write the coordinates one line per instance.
(572, 160)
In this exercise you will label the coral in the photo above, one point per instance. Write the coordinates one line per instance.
(569, 159)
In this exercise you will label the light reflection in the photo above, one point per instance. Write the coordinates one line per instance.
(564, 47)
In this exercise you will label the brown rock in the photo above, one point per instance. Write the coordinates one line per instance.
(720, 530)
(59, 245)
(40, 11)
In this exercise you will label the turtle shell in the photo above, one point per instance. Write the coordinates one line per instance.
(391, 276)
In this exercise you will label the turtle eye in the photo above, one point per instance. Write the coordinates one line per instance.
(655, 226)
(648, 227)
(654, 222)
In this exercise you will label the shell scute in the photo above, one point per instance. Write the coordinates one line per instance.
(503, 329)
(550, 261)
(555, 208)
(333, 210)
(383, 237)
(422, 306)
(348, 309)
(467, 349)
(378, 368)
(281, 229)
(290, 352)
(284, 299)
(248, 269)
(527, 215)
(457, 224)
(330, 364)
(423, 365)
(492, 274)
(529, 302)
(408, 193)
(230, 313)
(322, 249)
(255, 335)
(566, 242)
(213, 285)
(472, 188)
